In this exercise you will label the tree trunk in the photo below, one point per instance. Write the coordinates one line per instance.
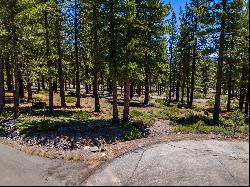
(65, 87)
(178, 91)
(109, 86)
(2, 90)
(146, 99)
(21, 85)
(29, 89)
(78, 104)
(95, 61)
(115, 106)
(95, 91)
(126, 101)
(16, 91)
(43, 83)
(59, 62)
(86, 88)
(219, 74)
(247, 100)
(182, 91)
(49, 62)
(38, 85)
(55, 86)
(229, 88)
(9, 75)
(190, 104)
(243, 86)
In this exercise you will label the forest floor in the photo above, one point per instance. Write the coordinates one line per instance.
(83, 135)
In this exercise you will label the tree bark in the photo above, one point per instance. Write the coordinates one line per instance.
(2, 90)
(178, 91)
(229, 96)
(95, 91)
(43, 83)
(59, 63)
(126, 101)
(21, 85)
(146, 99)
(29, 84)
(95, 61)
(49, 62)
(55, 86)
(190, 104)
(9, 75)
(219, 74)
(115, 105)
(77, 66)
(38, 85)
(247, 100)
(243, 85)
(182, 91)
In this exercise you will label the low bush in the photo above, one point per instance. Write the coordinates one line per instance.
(132, 131)
(162, 102)
(198, 95)
(236, 120)
(81, 115)
(132, 134)
(144, 119)
(169, 113)
(6, 114)
(31, 127)
(198, 109)
(210, 103)
(202, 128)
(2, 131)
(70, 99)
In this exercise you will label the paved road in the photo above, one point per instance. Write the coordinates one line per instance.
(175, 163)
(20, 169)
(189, 163)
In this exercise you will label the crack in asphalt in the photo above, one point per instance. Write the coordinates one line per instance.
(136, 166)
(227, 170)
(210, 151)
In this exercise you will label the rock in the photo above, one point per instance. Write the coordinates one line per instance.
(94, 149)
(86, 148)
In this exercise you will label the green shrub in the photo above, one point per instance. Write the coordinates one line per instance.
(198, 109)
(170, 113)
(162, 102)
(81, 115)
(70, 99)
(236, 120)
(141, 118)
(2, 131)
(198, 95)
(39, 105)
(132, 133)
(210, 103)
(45, 125)
(6, 114)
(189, 113)
(31, 127)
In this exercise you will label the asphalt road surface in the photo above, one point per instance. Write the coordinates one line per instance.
(189, 163)
(20, 169)
(207, 162)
